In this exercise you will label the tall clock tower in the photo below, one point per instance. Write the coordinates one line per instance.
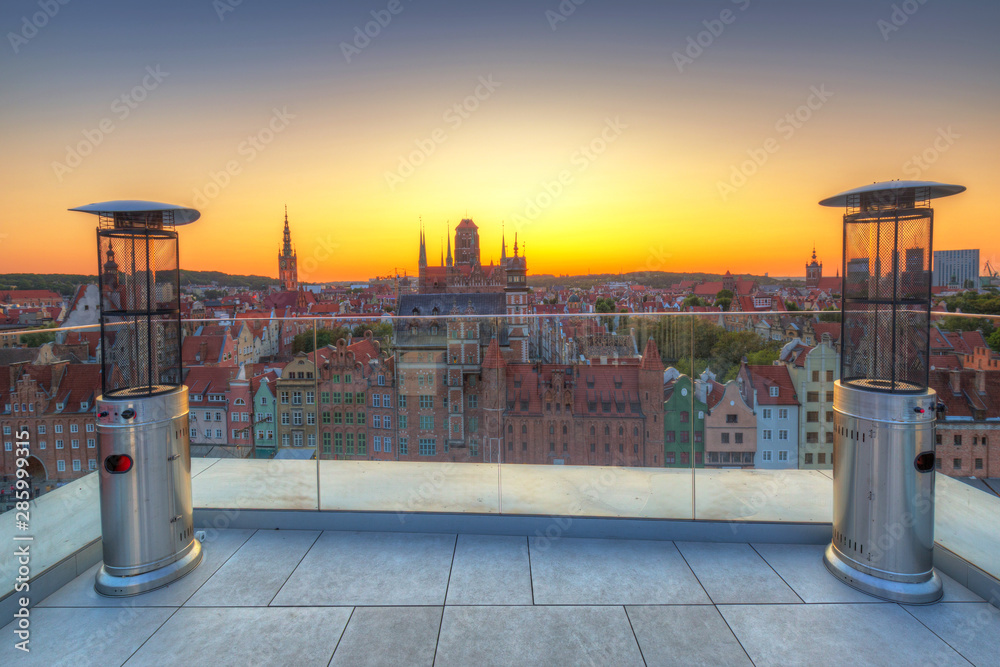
(288, 270)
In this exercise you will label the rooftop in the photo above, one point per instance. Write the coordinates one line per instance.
(308, 597)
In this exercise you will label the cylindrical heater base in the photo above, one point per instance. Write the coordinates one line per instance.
(883, 494)
(145, 478)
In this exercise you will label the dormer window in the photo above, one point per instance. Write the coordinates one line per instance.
(60, 406)
(83, 406)
(774, 391)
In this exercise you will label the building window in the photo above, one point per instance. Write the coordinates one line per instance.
(731, 419)
(958, 440)
(285, 419)
(979, 464)
(376, 400)
(426, 423)
(766, 455)
(362, 444)
(808, 459)
(402, 401)
(783, 413)
(377, 423)
(783, 455)
(284, 439)
(324, 396)
(310, 397)
(91, 443)
(773, 391)
(738, 437)
(59, 428)
(336, 398)
(59, 444)
(311, 418)
(812, 417)
(428, 446)
(829, 376)
(812, 438)
(326, 443)
(74, 428)
(426, 402)
(724, 438)
(361, 418)
(670, 436)
(812, 397)
(92, 464)
(957, 464)
(74, 443)
(473, 402)
(404, 446)
(767, 413)
(61, 466)
(685, 417)
(349, 443)
(815, 376)
(782, 435)
(218, 433)
(76, 465)
(284, 398)
(829, 397)
(821, 457)
(766, 435)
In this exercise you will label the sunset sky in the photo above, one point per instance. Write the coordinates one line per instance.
(605, 137)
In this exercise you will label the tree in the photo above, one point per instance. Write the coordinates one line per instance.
(304, 341)
(37, 339)
(791, 306)
(830, 314)
(723, 298)
(604, 305)
(994, 340)
(692, 301)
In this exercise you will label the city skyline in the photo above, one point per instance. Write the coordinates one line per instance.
(610, 138)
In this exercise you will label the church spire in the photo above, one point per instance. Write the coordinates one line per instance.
(422, 261)
(449, 245)
(286, 246)
(503, 246)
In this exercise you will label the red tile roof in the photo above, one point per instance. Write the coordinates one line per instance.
(762, 378)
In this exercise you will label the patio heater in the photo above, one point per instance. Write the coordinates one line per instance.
(142, 413)
(884, 412)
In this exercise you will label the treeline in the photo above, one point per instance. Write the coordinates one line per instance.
(654, 279)
(65, 284)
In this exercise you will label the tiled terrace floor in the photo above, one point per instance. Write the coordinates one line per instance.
(309, 598)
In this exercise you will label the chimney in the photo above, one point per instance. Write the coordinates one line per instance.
(981, 381)
(202, 352)
(955, 381)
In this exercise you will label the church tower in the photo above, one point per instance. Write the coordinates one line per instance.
(288, 269)
(516, 293)
(814, 271)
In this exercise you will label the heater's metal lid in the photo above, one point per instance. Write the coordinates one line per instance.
(936, 190)
(182, 215)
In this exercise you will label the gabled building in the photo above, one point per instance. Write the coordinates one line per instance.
(730, 430)
(771, 393)
(683, 424)
(813, 372)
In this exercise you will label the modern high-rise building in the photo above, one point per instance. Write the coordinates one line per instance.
(956, 267)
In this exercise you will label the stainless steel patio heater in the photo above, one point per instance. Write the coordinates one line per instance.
(884, 412)
(142, 413)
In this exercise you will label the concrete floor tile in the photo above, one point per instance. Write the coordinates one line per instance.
(218, 547)
(685, 635)
(616, 572)
(389, 636)
(972, 629)
(79, 638)
(485, 636)
(239, 636)
(490, 570)
(835, 634)
(256, 572)
(371, 569)
(802, 568)
(735, 574)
